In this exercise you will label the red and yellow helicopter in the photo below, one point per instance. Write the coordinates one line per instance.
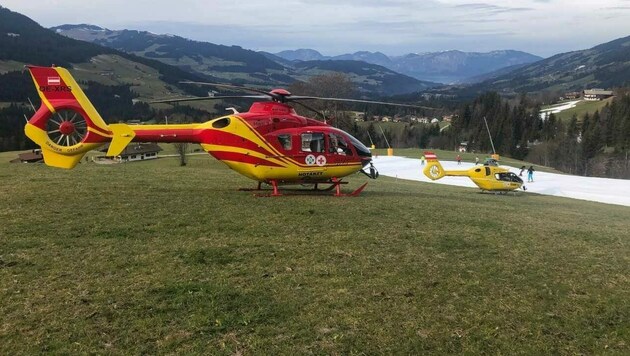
(489, 177)
(270, 143)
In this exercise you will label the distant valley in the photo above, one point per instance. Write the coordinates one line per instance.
(242, 66)
(441, 67)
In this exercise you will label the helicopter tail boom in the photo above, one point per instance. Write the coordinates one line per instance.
(434, 169)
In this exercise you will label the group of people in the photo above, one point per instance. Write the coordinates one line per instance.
(530, 173)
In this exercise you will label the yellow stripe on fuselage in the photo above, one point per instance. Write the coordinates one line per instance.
(287, 172)
(290, 170)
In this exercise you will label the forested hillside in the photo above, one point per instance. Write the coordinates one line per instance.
(368, 78)
(593, 145)
(603, 66)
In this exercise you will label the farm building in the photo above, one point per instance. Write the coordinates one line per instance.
(597, 94)
(137, 152)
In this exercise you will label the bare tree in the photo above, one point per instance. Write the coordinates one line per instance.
(330, 85)
(181, 148)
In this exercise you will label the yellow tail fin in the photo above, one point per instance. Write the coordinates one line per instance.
(434, 169)
(67, 125)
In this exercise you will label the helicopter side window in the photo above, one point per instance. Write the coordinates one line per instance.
(487, 171)
(508, 177)
(313, 142)
(338, 145)
(285, 141)
(514, 178)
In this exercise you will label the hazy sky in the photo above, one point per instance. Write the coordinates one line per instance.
(394, 27)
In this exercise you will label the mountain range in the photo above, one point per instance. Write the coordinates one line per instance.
(238, 65)
(604, 66)
(227, 61)
(155, 64)
(442, 67)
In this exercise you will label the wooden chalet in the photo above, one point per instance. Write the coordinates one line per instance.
(137, 152)
(34, 156)
(597, 94)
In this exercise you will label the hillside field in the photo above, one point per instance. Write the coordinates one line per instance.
(581, 108)
(151, 258)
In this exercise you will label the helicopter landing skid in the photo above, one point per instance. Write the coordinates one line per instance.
(500, 192)
(275, 189)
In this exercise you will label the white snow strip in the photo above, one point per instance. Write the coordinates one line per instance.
(559, 108)
(603, 190)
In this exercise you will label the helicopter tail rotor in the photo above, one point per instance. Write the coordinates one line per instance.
(434, 169)
(66, 125)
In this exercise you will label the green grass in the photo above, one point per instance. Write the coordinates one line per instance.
(152, 258)
(582, 108)
(10, 66)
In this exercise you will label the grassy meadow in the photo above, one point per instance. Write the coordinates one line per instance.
(582, 108)
(154, 258)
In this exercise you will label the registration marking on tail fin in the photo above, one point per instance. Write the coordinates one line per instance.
(429, 155)
(66, 125)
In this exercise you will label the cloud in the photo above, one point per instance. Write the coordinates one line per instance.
(491, 9)
(543, 27)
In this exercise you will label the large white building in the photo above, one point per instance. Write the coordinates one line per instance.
(597, 94)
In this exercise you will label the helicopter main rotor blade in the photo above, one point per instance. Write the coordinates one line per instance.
(202, 98)
(299, 97)
(284, 98)
(229, 86)
(311, 109)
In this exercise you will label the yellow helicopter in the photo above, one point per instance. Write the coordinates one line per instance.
(489, 177)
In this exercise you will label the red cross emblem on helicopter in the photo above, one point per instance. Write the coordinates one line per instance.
(321, 161)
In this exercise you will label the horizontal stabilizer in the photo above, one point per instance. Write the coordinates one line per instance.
(123, 135)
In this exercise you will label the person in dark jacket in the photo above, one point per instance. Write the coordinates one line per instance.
(530, 174)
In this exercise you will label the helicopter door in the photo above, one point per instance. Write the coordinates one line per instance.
(337, 145)
(313, 142)
(313, 149)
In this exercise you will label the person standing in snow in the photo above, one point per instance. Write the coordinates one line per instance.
(530, 174)
(459, 160)
(422, 160)
(476, 161)
(522, 170)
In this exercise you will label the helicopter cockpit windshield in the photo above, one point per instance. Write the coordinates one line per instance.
(361, 149)
(508, 177)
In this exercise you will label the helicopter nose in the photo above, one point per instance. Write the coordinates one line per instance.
(366, 160)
